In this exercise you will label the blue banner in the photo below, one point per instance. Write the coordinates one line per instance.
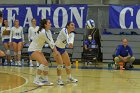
(58, 14)
(125, 17)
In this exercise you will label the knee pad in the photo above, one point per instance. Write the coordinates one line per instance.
(43, 67)
(68, 67)
(19, 52)
(8, 52)
(60, 67)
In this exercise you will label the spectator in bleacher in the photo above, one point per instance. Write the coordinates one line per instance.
(17, 41)
(5, 34)
(89, 43)
(94, 32)
(32, 31)
(124, 54)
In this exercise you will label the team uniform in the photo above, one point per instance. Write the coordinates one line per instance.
(16, 35)
(32, 32)
(40, 40)
(63, 39)
(5, 34)
(37, 44)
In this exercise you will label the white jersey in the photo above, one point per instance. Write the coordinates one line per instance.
(16, 33)
(64, 38)
(32, 32)
(40, 40)
(5, 33)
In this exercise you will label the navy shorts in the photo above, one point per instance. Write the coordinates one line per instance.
(30, 53)
(60, 50)
(5, 41)
(16, 40)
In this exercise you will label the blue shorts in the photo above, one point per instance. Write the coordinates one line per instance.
(16, 40)
(30, 53)
(60, 50)
(5, 41)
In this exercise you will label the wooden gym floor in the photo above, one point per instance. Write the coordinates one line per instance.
(19, 80)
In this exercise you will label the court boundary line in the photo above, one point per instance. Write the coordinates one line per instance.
(26, 81)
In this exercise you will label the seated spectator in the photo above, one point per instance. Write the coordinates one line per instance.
(124, 54)
(89, 44)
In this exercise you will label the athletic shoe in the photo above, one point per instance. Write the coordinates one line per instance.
(31, 65)
(19, 64)
(16, 63)
(37, 64)
(48, 83)
(38, 82)
(73, 80)
(60, 82)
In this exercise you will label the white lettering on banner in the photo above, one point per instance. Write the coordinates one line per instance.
(138, 19)
(29, 17)
(43, 11)
(122, 17)
(58, 19)
(11, 16)
(76, 14)
(64, 17)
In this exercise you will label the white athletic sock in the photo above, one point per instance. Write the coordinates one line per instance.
(59, 77)
(31, 62)
(69, 76)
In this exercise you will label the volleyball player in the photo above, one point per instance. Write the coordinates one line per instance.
(17, 41)
(66, 37)
(43, 36)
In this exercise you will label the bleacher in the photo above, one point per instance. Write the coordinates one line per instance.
(110, 42)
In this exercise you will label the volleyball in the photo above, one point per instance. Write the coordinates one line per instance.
(90, 24)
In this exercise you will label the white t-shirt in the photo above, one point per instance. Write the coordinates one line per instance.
(5, 33)
(64, 38)
(40, 39)
(32, 32)
(16, 33)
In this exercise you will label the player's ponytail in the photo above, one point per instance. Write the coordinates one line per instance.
(68, 24)
(42, 24)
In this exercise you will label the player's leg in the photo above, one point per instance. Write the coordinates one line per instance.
(37, 55)
(67, 62)
(15, 48)
(20, 46)
(59, 62)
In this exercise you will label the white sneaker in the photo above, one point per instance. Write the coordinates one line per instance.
(60, 82)
(38, 82)
(16, 63)
(31, 65)
(19, 64)
(42, 79)
(48, 83)
(73, 80)
(37, 64)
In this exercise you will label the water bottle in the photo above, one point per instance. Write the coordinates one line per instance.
(76, 63)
